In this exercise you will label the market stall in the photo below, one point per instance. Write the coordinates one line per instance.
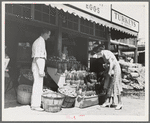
(70, 72)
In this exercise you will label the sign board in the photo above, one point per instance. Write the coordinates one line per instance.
(100, 10)
(124, 20)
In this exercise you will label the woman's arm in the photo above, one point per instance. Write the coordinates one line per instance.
(110, 66)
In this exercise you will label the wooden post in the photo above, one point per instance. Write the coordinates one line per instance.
(79, 23)
(136, 51)
(32, 11)
(59, 38)
(108, 36)
(87, 52)
(94, 28)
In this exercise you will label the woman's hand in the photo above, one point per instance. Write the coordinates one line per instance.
(106, 66)
(111, 73)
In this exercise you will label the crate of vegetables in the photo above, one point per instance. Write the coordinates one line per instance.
(70, 95)
(88, 99)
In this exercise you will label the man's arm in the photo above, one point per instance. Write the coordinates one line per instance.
(41, 65)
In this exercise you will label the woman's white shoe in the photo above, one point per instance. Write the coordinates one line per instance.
(119, 106)
(105, 105)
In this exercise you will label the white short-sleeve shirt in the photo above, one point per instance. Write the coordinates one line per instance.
(38, 48)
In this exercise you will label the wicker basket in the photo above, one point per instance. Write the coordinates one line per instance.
(68, 102)
(24, 94)
(52, 104)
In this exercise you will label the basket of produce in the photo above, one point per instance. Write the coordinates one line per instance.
(126, 81)
(134, 74)
(68, 77)
(26, 77)
(70, 95)
(24, 94)
(52, 101)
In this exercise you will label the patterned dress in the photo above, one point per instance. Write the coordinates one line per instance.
(115, 85)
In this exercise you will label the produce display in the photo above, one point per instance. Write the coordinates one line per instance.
(68, 91)
(51, 95)
(125, 81)
(137, 86)
(27, 73)
(126, 86)
(28, 76)
(46, 90)
(63, 65)
(87, 93)
(133, 76)
(127, 64)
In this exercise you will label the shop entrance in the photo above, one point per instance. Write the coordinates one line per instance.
(77, 46)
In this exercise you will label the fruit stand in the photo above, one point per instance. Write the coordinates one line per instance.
(74, 81)
(80, 87)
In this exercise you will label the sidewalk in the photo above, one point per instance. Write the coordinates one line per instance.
(13, 111)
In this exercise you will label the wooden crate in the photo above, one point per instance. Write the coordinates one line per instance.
(86, 102)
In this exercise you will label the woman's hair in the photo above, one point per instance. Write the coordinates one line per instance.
(99, 47)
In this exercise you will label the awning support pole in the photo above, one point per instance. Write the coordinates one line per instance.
(136, 51)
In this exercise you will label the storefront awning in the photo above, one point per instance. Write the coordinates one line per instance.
(92, 18)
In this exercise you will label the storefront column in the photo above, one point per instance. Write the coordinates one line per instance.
(108, 36)
(119, 51)
(59, 38)
(32, 11)
(136, 51)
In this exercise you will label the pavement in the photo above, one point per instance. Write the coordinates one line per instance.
(134, 109)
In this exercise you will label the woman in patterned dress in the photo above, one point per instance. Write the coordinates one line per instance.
(114, 87)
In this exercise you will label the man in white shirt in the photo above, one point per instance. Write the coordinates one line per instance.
(39, 56)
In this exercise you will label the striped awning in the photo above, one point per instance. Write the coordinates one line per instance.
(92, 18)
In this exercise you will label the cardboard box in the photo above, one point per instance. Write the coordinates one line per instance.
(58, 78)
(6, 62)
(82, 102)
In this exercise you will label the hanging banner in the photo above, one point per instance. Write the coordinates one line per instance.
(100, 10)
(124, 20)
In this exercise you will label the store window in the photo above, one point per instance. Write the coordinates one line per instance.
(99, 30)
(22, 10)
(42, 12)
(45, 13)
(69, 20)
(86, 27)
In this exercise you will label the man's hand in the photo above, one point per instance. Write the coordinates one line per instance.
(42, 74)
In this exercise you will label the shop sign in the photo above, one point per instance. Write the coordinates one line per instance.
(100, 10)
(124, 20)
